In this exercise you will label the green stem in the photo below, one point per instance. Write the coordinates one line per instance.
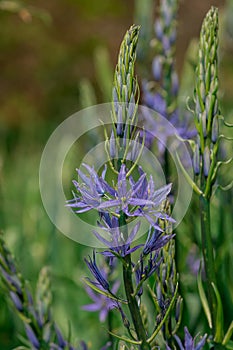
(131, 298)
(208, 255)
(133, 305)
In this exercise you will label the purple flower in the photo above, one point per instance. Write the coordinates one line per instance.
(156, 128)
(155, 241)
(16, 300)
(102, 303)
(101, 280)
(118, 245)
(189, 342)
(90, 191)
(134, 199)
(138, 198)
(32, 337)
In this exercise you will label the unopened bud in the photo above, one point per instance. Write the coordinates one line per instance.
(135, 148)
(208, 105)
(164, 275)
(159, 29)
(112, 146)
(32, 337)
(213, 70)
(201, 70)
(214, 86)
(157, 68)
(215, 111)
(173, 35)
(213, 53)
(215, 129)
(196, 160)
(16, 300)
(119, 121)
(166, 43)
(179, 306)
(202, 90)
(175, 83)
(131, 107)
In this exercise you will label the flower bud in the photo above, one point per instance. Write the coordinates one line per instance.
(175, 83)
(119, 121)
(173, 36)
(157, 68)
(131, 108)
(215, 110)
(215, 129)
(166, 43)
(202, 90)
(136, 148)
(214, 86)
(196, 160)
(179, 305)
(159, 29)
(208, 105)
(32, 337)
(201, 71)
(112, 146)
(16, 300)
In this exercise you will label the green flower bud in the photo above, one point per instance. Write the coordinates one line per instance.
(202, 90)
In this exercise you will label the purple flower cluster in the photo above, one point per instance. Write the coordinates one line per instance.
(129, 197)
(133, 198)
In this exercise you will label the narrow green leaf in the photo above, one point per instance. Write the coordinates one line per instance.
(125, 339)
(219, 316)
(188, 178)
(107, 294)
(156, 331)
(228, 334)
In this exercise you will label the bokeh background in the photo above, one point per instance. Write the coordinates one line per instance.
(57, 57)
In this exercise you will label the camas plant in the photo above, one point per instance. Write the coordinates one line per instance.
(206, 165)
(132, 196)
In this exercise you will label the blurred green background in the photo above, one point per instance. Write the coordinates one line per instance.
(57, 57)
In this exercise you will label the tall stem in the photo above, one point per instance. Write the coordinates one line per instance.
(129, 291)
(208, 255)
(133, 305)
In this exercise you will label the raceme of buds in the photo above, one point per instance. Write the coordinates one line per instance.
(205, 96)
(124, 104)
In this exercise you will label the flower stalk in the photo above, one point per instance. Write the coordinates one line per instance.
(132, 302)
(206, 118)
